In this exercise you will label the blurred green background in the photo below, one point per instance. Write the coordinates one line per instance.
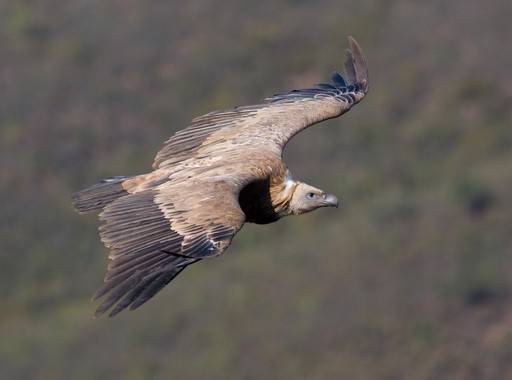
(410, 279)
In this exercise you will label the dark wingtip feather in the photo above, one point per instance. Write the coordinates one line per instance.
(154, 287)
(117, 294)
(354, 80)
(350, 70)
(136, 290)
(107, 286)
(132, 295)
(355, 65)
(338, 79)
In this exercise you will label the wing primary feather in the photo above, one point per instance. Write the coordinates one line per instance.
(111, 284)
(117, 294)
(349, 68)
(132, 294)
(338, 80)
(155, 287)
(132, 266)
(119, 279)
(359, 63)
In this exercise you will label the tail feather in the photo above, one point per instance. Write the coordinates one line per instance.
(98, 196)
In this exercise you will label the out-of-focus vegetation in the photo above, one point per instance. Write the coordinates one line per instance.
(410, 279)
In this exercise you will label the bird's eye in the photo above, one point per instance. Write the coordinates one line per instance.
(310, 195)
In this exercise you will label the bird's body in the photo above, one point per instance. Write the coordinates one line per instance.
(222, 171)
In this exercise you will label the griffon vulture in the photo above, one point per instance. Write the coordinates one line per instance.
(210, 178)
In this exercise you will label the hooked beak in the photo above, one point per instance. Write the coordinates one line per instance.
(330, 201)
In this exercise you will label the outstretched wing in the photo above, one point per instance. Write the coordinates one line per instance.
(154, 234)
(271, 124)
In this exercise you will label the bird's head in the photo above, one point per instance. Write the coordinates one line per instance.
(307, 198)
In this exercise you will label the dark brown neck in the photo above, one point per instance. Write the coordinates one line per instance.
(268, 200)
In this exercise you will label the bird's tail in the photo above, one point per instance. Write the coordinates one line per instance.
(98, 196)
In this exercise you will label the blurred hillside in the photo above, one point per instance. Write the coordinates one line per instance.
(410, 279)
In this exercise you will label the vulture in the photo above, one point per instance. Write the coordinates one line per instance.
(223, 170)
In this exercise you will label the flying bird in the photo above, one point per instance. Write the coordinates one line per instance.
(225, 169)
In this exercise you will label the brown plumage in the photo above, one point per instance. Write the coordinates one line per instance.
(210, 178)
